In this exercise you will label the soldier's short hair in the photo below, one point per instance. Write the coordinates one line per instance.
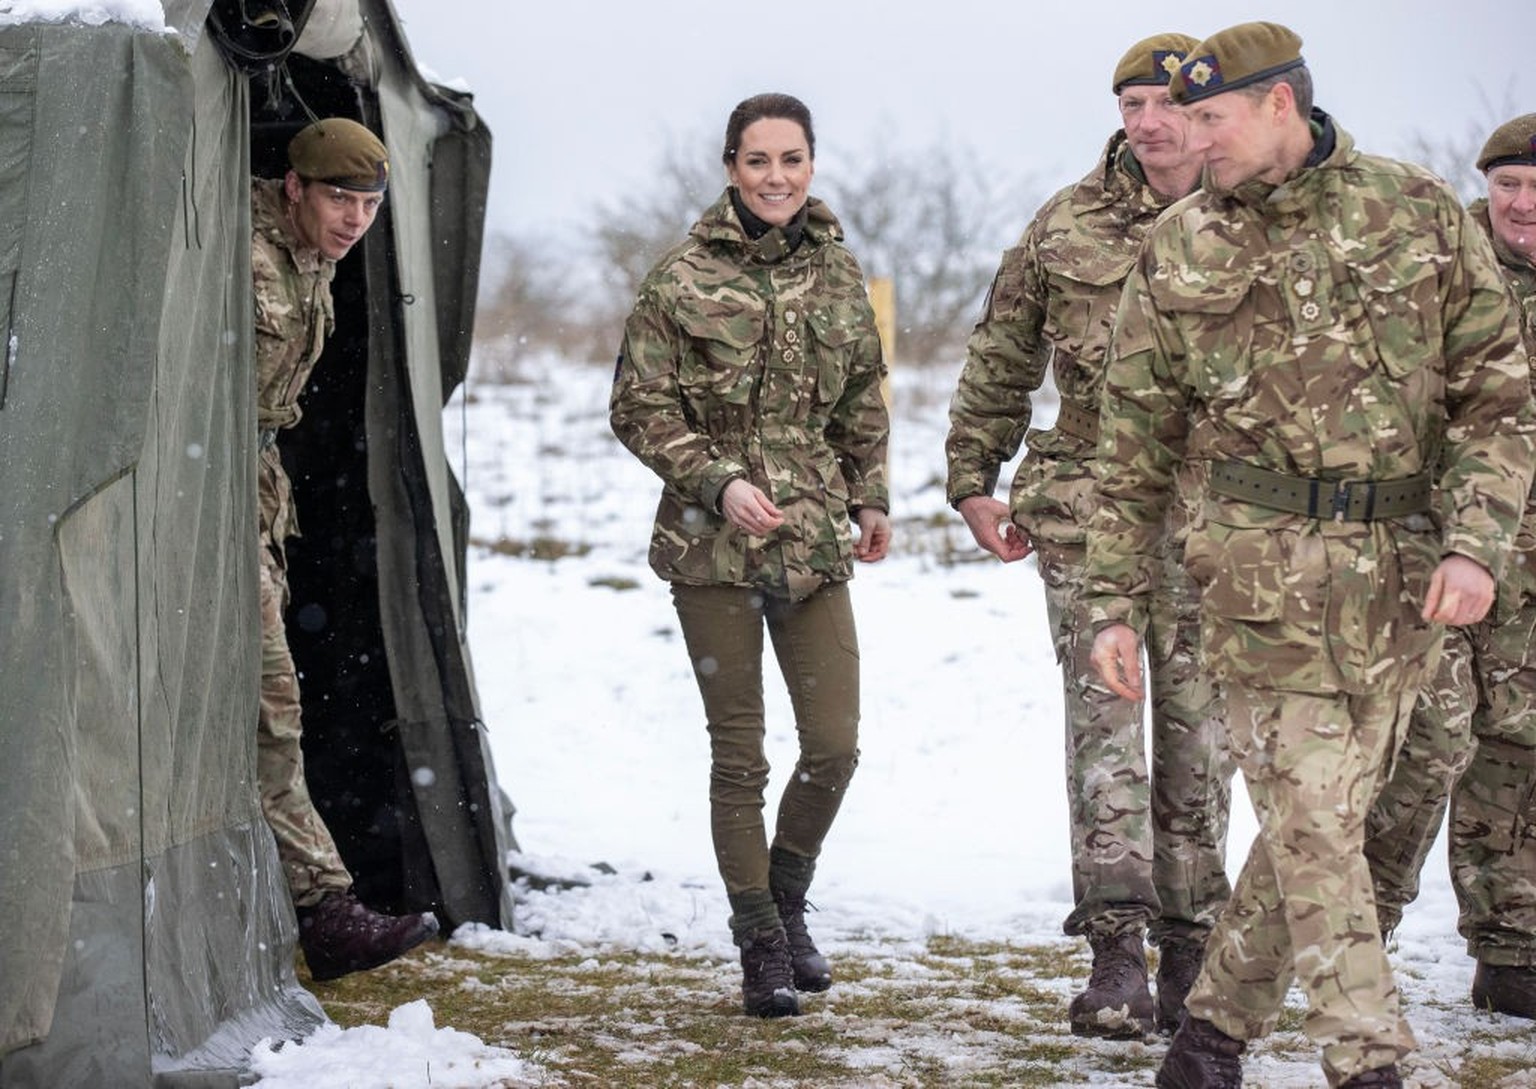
(763, 107)
(1300, 82)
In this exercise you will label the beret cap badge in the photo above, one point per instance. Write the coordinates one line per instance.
(1203, 72)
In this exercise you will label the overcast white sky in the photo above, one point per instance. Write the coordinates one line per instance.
(584, 96)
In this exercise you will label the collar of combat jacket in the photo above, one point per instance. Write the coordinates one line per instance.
(720, 226)
(269, 220)
(1116, 182)
(1292, 196)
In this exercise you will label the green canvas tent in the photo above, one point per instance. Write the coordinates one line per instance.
(146, 936)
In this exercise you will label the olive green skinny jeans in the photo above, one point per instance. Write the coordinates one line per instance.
(818, 655)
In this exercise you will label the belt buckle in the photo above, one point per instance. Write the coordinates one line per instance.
(1340, 506)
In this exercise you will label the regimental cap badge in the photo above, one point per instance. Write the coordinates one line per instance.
(1203, 71)
(1167, 60)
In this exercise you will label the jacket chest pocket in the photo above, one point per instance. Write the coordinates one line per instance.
(834, 335)
(1217, 316)
(1399, 293)
(719, 360)
(1085, 282)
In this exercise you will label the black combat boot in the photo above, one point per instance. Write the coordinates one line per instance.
(1383, 1077)
(812, 972)
(1505, 988)
(1117, 1003)
(1202, 1057)
(340, 935)
(1178, 963)
(767, 980)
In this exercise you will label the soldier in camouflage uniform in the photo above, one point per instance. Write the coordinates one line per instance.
(1321, 330)
(749, 381)
(301, 225)
(1146, 855)
(1472, 739)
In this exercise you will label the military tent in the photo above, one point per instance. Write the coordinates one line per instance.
(146, 936)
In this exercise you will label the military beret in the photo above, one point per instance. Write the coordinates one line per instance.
(1152, 61)
(1236, 57)
(342, 153)
(1512, 144)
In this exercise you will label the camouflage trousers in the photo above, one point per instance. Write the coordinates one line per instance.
(817, 649)
(310, 860)
(1148, 849)
(1471, 745)
(1302, 906)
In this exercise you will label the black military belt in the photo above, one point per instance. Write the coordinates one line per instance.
(1078, 422)
(1341, 500)
(266, 437)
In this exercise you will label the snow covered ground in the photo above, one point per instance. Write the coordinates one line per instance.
(956, 820)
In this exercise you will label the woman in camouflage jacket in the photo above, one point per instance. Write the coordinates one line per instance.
(750, 382)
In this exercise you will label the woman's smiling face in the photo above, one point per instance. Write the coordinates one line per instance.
(772, 169)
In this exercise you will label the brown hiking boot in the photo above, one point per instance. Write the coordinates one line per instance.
(1116, 1003)
(767, 979)
(1383, 1077)
(1178, 963)
(1202, 1057)
(812, 972)
(340, 935)
(1505, 988)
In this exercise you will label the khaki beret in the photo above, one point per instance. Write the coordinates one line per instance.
(1152, 61)
(342, 153)
(1512, 144)
(1236, 57)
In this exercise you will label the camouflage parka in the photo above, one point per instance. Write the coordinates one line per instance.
(1051, 305)
(294, 316)
(1349, 323)
(742, 358)
(1519, 584)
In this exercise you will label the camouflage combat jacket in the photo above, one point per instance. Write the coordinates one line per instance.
(741, 359)
(294, 316)
(1519, 584)
(1349, 323)
(1051, 305)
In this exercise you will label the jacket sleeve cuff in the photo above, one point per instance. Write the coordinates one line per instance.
(716, 477)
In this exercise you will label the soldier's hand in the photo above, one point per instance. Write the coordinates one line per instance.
(874, 535)
(746, 507)
(990, 523)
(1460, 592)
(1117, 657)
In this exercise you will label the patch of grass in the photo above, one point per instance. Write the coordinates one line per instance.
(956, 1013)
(615, 582)
(536, 548)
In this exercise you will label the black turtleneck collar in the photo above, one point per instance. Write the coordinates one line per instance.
(1324, 137)
(793, 232)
